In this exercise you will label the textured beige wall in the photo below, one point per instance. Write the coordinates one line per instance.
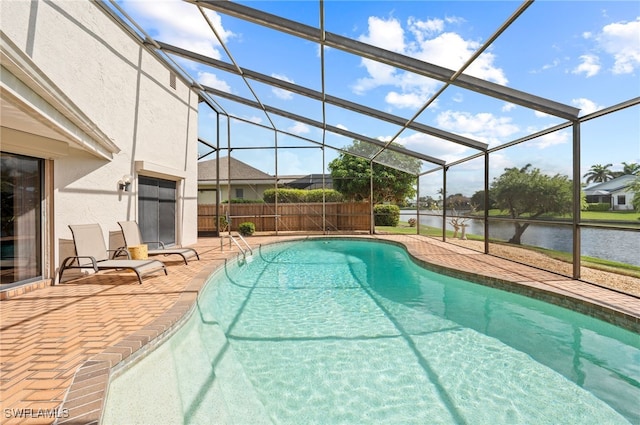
(125, 92)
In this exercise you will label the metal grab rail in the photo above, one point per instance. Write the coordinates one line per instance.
(245, 242)
(244, 251)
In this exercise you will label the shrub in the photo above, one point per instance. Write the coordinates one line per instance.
(247, 228)
(223, 223)
(330, 195)
(291, 196)
(284, 195)
(386, 215)
(604, 206)
(412, 222)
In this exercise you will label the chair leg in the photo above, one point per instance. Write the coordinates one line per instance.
(139, 277)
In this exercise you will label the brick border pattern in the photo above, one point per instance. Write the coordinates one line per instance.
(85, 399)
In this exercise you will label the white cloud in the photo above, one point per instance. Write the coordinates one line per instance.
(589, 66)
(622, 41)
(405, 100)
(433, 146)
(211, 80)
(421, 29)
(586, 106)
(343, 127)
(551, 139)
(190, 32)
(508, 107)
(425, 40)
(299, 128)
(280, 93)
(379, 75)
(387, 34)
(482, 127)
(451, 51)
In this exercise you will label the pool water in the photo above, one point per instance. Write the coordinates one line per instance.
(340, 331)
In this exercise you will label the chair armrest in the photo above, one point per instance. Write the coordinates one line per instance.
(119, 252)
(66, 263)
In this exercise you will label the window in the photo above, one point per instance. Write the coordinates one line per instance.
(157, 210)
(20, 218)
(239, 193)
(622, 200)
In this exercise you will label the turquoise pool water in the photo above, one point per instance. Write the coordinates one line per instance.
(335, 331)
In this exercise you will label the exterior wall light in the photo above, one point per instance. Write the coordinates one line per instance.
(125, 183)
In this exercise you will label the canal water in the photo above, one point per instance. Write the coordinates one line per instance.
(614, 245)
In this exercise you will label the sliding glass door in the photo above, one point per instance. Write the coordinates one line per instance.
(157, 210)
(21, 237)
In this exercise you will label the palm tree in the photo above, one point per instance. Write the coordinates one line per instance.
(632, 168)
(599, 173)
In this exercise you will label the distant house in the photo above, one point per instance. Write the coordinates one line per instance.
(247, 182)
(614, 192)
(243, 180)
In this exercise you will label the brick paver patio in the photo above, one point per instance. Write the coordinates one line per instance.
(59, 343)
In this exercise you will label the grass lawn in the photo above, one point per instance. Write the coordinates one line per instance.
(610, 215)
(403, 228)
(631, 216)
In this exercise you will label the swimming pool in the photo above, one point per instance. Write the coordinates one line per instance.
(339, 331)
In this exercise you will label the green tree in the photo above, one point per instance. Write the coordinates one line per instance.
(352, 175)
(599, 173)
(631, 168)
(427, 202)
(521, 191)
(458, 201)
(478, 199)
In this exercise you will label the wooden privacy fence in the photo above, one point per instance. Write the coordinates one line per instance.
(340, 216)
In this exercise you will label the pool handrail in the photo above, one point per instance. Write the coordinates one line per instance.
(244, 252)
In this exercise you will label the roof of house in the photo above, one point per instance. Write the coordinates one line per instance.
(305, 181)
(239, 171)
(610, 186)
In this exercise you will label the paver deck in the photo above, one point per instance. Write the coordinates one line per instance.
(58, 344)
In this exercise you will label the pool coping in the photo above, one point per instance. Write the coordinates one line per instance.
(85, 399)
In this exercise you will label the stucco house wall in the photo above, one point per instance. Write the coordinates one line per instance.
(621, 200)
(136, 117)
(253, 192)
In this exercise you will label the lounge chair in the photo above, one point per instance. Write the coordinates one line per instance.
(92, 253)
(133, 237)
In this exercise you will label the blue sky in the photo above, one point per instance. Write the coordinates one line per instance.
(580, 53)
